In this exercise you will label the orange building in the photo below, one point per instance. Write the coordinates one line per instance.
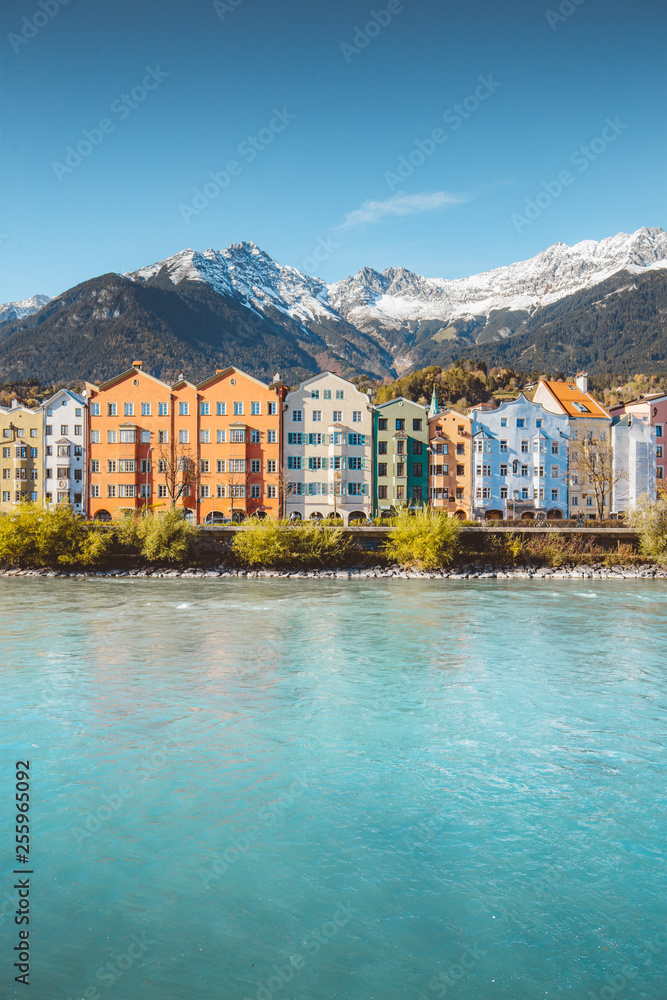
(212, 449)
(450, 460)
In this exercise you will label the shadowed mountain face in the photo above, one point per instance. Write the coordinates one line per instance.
(597, 305)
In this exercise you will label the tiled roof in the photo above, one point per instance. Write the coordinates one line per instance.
(575, 402)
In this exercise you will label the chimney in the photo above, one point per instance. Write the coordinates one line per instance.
(181, 376)
(137, 365)
(582, 381)
(15, 403)
(276, 377)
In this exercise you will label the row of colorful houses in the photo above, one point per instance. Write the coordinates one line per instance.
(233, 446)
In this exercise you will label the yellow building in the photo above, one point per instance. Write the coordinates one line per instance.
(22, 433)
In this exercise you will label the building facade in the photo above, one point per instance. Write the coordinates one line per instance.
(633, 442)
(401, 455)
(65, 439)
(651, 409)
(212, 450)
(22, 432)
(588, 421)
(520, 461)
(450, 461)
(328, 449)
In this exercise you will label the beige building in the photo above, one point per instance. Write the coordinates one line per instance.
(22, 433)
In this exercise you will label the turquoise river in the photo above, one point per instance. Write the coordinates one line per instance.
(314, 789)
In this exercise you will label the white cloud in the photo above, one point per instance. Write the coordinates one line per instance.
(401, 204)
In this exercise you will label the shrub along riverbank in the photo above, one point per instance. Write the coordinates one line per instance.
(56, 539)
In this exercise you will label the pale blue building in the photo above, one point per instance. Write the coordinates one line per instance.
(519, 461)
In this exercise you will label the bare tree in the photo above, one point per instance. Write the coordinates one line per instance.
(179, 471)
(591, 467)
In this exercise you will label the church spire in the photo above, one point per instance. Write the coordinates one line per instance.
(435, 409)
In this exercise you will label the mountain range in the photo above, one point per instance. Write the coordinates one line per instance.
(600, 305)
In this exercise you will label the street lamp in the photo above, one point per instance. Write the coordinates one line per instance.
(148, 465)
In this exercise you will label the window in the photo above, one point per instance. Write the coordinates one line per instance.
(221, 436)
(554, 494)
(271, 437)
(503, 493)
(221, 409)
(356, 416)
(205, 409)
(461, 448)
(540, 495)
(658, 451)
(95, 465)
(204, 437)
(503, 470)
(128, 409)
(417, 469)
(111, 465)
(127, 490)
(63, 451)
(162, 491)
(340, 393)
(400, 468)
(524, 470)
(111, 490)
(356, 439)
(400, 447)
(400, 424)
(203, 465)
(658, 472)
(237, 491)
(503, 421)
(554, 472)
(145, 466)
(338, 417)
(272, 409)
(94, 409)
(127, 465)
(416, 425)
(554, 448)
(575, 435)
(128, 437)
(297, 416)
(326, 394)
(94, 490)
(255, 409)
(145, 409)
(237, 465)
(400, 492)
(6, 452)
(34, 451)
(163, 409)
(112, 410)
(295, 437)
(589, 501)
(538, 423)
(203, 490)
(356, 489)
(524, 493)
(145, 490)
(382, 492)
(255, 465)
(271, 466)
(460, 470)
(580, 407)
(382, 447)
(220, 465)
(520, 422)
(237, 435)
(183, 409)
(78, 431)
(538, 470)
(355, 463)
(163, 437)
(220, 491)
(382, 424)
(94, 438)
(416, 447)
(658, 430)
(111, 437)
(255, 491)
(20, 432)
(294, 462)
(315, 394)
(382, 469)
(317, 415)
(35, 433)
(574, 502)
(183, 437)
(6, 432)
(524, 446)
(483, 470)
(238, 409)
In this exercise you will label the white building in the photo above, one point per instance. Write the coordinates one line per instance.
(64, 447)
(633, 442)
(328, 449)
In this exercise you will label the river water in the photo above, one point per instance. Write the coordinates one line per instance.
(315, 789)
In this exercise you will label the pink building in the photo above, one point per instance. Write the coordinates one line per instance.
(652, 410)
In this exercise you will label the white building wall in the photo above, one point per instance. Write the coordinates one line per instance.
(328, 448)
(65, 449)
(634, 444)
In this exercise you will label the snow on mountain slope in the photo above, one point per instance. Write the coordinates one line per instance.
(17, 310)
(245, 271)
(396, 296)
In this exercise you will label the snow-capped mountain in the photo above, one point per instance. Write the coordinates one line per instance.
(597, 304)
(17, 310)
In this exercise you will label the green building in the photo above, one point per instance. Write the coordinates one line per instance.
(401, 454)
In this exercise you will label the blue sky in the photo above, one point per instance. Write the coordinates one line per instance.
(304, 111)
